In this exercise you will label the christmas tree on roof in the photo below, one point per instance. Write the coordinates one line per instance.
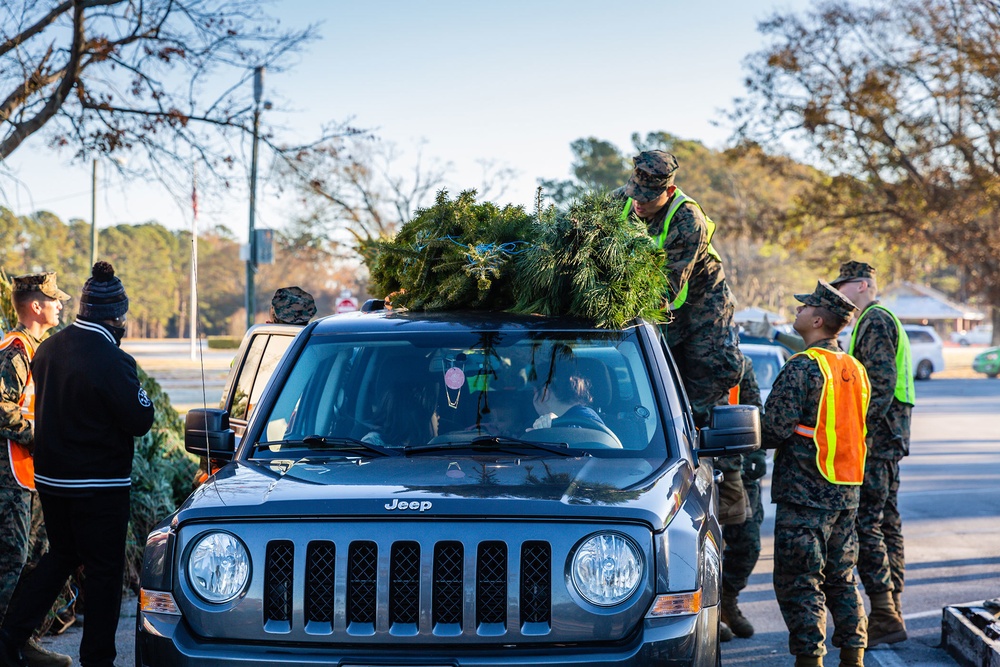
(460, 254)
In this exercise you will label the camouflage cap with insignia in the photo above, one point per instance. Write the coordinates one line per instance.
(43, 283)
(852, 270)
(827, 296)
(651, 175)
(292, 305)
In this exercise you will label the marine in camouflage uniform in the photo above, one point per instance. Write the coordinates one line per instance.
(292, 305)
(815, 543)
(881, 563)
(700, 331)
(742, 541)
(15, 501)
(37, 300)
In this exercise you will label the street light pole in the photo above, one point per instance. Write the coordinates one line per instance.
(93, 215)
(258, 91)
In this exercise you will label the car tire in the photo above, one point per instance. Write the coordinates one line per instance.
(964, 342)
(993, 376)
(924, 370)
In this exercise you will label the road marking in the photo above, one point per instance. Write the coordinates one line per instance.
(884, 658)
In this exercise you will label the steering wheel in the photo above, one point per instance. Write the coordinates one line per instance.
(570, 422)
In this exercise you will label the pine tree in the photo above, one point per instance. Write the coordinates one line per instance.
(588, 262)
(459, 254)
(452, 255)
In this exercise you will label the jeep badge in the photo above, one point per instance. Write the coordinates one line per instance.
(396, 504)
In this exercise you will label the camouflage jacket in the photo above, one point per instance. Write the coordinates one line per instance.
(688, 261)
(14, 369)
(888, 418)
(794, 399)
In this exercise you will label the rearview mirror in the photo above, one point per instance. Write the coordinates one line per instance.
(207, 433)
(733, 429)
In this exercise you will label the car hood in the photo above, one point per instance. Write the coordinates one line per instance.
(436, 486)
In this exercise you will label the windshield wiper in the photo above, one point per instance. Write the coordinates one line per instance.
(338, 443)
(495, 444)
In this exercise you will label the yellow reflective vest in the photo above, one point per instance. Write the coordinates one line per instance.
(904, 392)
(676, 202)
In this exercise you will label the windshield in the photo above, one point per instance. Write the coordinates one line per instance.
(424, 393)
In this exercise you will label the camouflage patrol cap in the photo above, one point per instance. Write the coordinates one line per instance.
(43, 283)
(651, 175)
(827, 296)
(292, 305)
(852, 270)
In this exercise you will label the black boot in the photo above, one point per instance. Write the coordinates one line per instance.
(10, 655)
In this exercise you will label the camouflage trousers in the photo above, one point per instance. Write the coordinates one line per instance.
(815, 552)
(742, 543)
(881, 562)
(708, 356)
(15, 527)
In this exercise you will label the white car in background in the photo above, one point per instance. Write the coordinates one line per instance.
(767, 361)
(981, 334)
(926, 349)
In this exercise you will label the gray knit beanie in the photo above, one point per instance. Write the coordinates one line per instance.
(103, 296)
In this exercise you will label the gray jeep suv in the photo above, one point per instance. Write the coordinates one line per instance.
(449, 489)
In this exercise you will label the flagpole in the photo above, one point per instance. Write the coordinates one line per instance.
(193, 319)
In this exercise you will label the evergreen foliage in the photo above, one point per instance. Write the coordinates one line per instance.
(589, 263)
(453, 255)
(162, 475)
(463, 254)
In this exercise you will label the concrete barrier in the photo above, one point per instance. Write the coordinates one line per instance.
(970, 635)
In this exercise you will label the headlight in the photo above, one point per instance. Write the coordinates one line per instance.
(219, 567)
(607, 569)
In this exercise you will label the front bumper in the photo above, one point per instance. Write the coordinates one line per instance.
(687, 641)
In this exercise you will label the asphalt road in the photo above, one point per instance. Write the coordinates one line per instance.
(950, 500)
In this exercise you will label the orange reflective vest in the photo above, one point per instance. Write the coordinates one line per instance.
(22, 465)
(840, 428)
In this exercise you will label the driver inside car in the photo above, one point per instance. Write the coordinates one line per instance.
(564, 400)
(407, 414)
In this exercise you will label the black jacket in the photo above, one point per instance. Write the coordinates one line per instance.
(89, 406)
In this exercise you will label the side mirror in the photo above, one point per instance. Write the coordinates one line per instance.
(207, 433)
(733, 429)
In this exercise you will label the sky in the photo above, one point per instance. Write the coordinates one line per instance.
(511, 82)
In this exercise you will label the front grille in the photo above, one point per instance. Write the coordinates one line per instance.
(448, 577)
(278, 581)
(447, 582)
(491, 584)
(536, 582)
(321, 561)
(404, 583)
(362, 579)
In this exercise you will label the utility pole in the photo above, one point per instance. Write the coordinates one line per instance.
(258, 92)
(93, 215)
